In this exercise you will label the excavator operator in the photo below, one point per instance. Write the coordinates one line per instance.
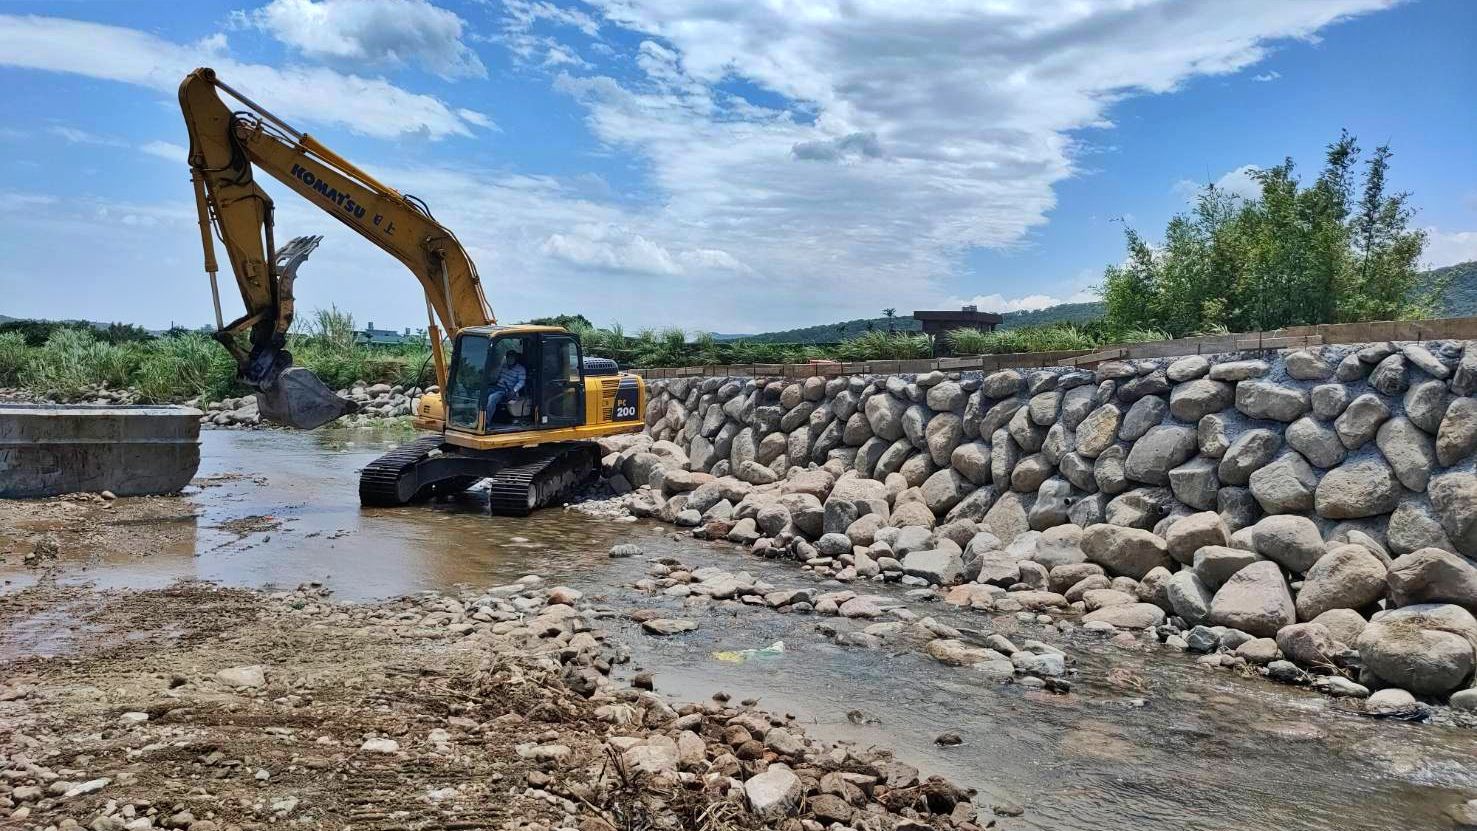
(508, 382)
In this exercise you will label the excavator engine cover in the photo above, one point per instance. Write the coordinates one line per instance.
(298, 399)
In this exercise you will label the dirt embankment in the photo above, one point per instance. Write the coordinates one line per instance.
(207, 709)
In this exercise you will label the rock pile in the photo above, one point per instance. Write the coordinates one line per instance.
(868, 621)
(1317, 506)
(494, 708)
(376, 402)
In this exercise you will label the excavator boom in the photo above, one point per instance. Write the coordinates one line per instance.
(226, 147)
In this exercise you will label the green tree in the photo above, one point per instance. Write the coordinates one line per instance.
(1293, 255)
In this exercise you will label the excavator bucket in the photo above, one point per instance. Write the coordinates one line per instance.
(298, 399)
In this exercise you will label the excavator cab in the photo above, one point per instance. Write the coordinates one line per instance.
(480, 395)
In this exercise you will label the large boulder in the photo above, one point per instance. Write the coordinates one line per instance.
(806, 512)
(915, 425)
(1344, 624)
(943, 434)
(1361, 420)
(1098, 431)
(1130, 552)
(1160, 449)
(1189, 597)
(1028, 435)
(943, 567)
(1007, 517)
(1431, 575)
(1060, 546)
(996, 567)
(944, 489)
(972, 459)
(1285, 485)
(1347, 577)
(1426, 404)
(1107, 471)
(1361, 488)
(1215, 564)
(1191, 533)
(1144, 414)
(1289, 540)
(1127, 616)
(1454, 496)
(1191, 401)
(1409, 450)
(1389, 376)
(1415, 525)
(946, 397)
(1077, 403)
(1265, 399)
(885, 415)
(1195, 483)
(1329, 400)
(1317, 441)
(1002, 384)
(1426, 649)
(1248, 453)
(1309, 644)
(1305, 365)
(1255, 600)
(1456, 438)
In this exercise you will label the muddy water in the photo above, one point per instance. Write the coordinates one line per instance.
(1143, 742)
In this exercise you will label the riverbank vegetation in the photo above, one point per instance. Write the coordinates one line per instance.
(1337, 250)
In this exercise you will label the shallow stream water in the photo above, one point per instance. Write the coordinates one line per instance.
(1144, 741)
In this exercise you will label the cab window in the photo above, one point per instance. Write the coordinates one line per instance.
(468, 381)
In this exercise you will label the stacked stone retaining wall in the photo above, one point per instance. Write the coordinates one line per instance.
(1214, 483)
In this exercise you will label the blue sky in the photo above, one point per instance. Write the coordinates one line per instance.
(711, 165)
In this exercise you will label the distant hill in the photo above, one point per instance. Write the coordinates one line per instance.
(1461, 292)
(1064, 313)
(833, 332)
(829, 332)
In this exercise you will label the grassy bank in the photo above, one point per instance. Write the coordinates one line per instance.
(71, 363)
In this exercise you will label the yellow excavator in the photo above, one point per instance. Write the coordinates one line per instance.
(518, 405)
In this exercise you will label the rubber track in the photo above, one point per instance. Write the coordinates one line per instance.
(553, 472)
(379, 481)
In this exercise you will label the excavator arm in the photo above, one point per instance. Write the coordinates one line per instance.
(226, 147)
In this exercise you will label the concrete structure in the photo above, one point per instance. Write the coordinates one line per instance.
(47, 450)
(942, 322)
(370, 336)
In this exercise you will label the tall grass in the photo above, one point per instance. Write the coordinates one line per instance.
(1058, 338)
(325, 344)
(185, 366)
(13, 355)
(71, 360)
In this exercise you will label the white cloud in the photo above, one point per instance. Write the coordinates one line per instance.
(975, 114)
(318, 95)
(890, 138)
(74, 135)
(592, 247)
(1029, 303)
(1239, 182)
(169, 151)
(1266, 76)
(383, 33)
(1449, 247)
(522, 17)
